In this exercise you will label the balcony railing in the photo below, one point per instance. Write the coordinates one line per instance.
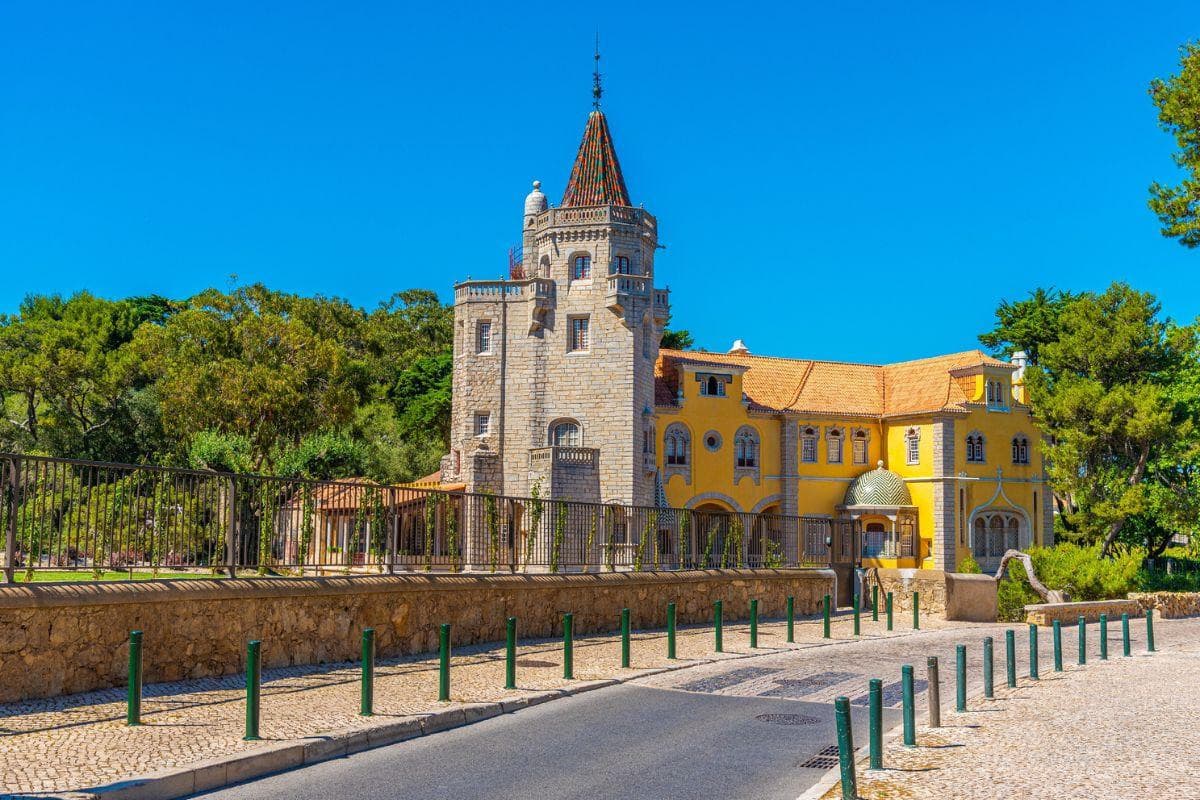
(564, 456)
(491, 291)
(600, 215)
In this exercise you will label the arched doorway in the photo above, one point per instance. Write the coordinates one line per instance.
(993, 532)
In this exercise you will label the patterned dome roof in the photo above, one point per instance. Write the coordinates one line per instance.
(879, 487)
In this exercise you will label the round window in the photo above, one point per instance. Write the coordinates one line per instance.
(712, 441)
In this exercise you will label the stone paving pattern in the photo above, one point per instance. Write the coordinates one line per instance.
(81, 741)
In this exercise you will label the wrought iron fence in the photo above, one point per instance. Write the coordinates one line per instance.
(95, 518)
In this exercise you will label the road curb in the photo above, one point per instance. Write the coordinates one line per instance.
(222, 771)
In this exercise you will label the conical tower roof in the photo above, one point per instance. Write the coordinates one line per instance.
(596, 178)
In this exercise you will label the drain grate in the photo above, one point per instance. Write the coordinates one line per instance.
(787, 719)
(826, 758)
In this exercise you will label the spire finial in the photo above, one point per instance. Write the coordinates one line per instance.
(596, 89)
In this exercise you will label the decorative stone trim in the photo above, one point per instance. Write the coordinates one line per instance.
(766, 502)
(748, 440)
(678, 429)
(704, 497)
(712, 441)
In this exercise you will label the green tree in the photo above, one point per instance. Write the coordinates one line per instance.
(1027, 324)
(1178, 101)
(677, 340)
(1103, 393)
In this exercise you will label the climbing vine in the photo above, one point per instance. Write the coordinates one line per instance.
(307, 525)
(653, 525)
(356, 532)
(537, 508)
(773, 557)
(432, 502)
(706, 559)
(451, 531)
(591, 539)
(639, 555)
(610, 527)
(560, 528)
(685, 524)
(268, 507)
(492, 522)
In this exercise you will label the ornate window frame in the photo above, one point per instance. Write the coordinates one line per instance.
(912, 446)
(747, 454)
(976, 447)
(860, 435)
(677, 445)
(552, 433)
(1020, 449)
(835, 435)
(808, 440)
(573, 266)
(712, 384)
(716, 440)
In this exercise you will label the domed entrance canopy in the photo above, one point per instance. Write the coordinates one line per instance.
(879, 488)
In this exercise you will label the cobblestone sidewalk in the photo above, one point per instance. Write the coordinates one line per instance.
(82, 742)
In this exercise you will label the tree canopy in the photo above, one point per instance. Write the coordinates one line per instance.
(1178, 101)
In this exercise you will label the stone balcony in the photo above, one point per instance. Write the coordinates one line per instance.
(538, 292)
(598, 215)
(585, 457)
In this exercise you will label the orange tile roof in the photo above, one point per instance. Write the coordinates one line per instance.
(802, 386)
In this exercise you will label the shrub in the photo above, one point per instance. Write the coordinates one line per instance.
(969, 566)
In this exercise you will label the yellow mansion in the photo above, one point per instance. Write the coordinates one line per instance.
(560, 385)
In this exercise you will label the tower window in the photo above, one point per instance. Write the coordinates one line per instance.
(483, 423)
(565, 434)
(833, 445)
(1020, 449)
(582, 269)
(712, 386)
(580, 335)
(912, 441)
(808, 446)
(995, 393)
(621, 266)
(483, 337)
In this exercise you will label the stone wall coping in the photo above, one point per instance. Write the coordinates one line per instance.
(141, 592)
(913, 573)
(1082, 605)
(970, 577)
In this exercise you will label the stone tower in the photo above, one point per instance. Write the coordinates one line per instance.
(554, 366)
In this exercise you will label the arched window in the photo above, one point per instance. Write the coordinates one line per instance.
(621, 266)
(1020, 449)
(1012, 539)
(833, 445)
(544, 272)
(975, 448)
(912, 441)
(677, 445)
(861, 441)
(581, 268)
(996, 536)
(808, 445)
(565, 433)
(979, 541)
(713, 386)
(745, 448)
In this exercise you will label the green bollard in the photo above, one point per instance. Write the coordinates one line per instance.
(510, 653)
(1033, 653)
(1082, 625)
(444, 663)
(1125, 635)
(857, 627)
(960, 678)
(753, 624)
(1057, 646)
(826, 607)
(841, 710)
(875, 603)
(568, 646)
(366, 695)
(910, 724)
(1010, 658)
(875, 693)
(791, 619)
(624, 638)
(717, 625)
(670, 630)
(133, 700)
(989, 686)
(1104, 637)
(253, 689)
(1149, 630)
(916, 612)
(888, 610)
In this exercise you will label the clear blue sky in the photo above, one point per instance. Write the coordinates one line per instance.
(858, 181)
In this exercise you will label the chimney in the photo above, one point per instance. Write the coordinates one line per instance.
(739, 348)
(1020, 359)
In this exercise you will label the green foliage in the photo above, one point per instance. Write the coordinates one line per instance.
(1083, 572)
(685, 526)
(1027, 324)
(591, 539)
(221, 452)
(537, 508)
(1178, 102)
(706, 559)
(323, 456)
(307, 524)
(773, 555)
(492, 522)
(451, 530)
(677, 340)
(969, 566)
(432, 502)
(560, 529)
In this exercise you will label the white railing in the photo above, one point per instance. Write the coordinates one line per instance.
(566, 456)
(624, 284)
(499, 289)
(600, 215)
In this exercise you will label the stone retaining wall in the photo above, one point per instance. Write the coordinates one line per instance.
(1169, 605)
(1046, 613)
(953, 595)
(67, 638)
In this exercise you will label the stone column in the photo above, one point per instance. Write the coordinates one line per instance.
(944, 515)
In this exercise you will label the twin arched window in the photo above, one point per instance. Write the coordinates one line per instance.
(621, 266)
(995, 393)
(677, 446)
(745, 448)
(1020, 449)
(565, 433)
(975, 454)
(713, 386)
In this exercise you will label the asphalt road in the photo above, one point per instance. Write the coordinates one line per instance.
(623, 741)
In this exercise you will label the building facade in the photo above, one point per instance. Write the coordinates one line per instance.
(561, 389)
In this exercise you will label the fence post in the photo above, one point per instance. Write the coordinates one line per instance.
(1149, 630)
(875, 693)
(1057, 646)
(960, 684)
(1010, 658)
(791, 619)
(1125, 635)
(888, 603)
(253, 689)
(133, 711)
(569, 646)
(670, 630)
(367, 694)
(10, 529)
(1104, 637)
(1033, 652)
(717, 625)
(910, 724)
(916, 612)
(826, 603)
(753, 624)
(444, 662)
(231, 529)
(624, 638)
(510, 653)
(935, 692)
(1082, 641)
(857, 612)
(989, 685)
(841, 710)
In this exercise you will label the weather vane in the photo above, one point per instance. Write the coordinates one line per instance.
(596, 90)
